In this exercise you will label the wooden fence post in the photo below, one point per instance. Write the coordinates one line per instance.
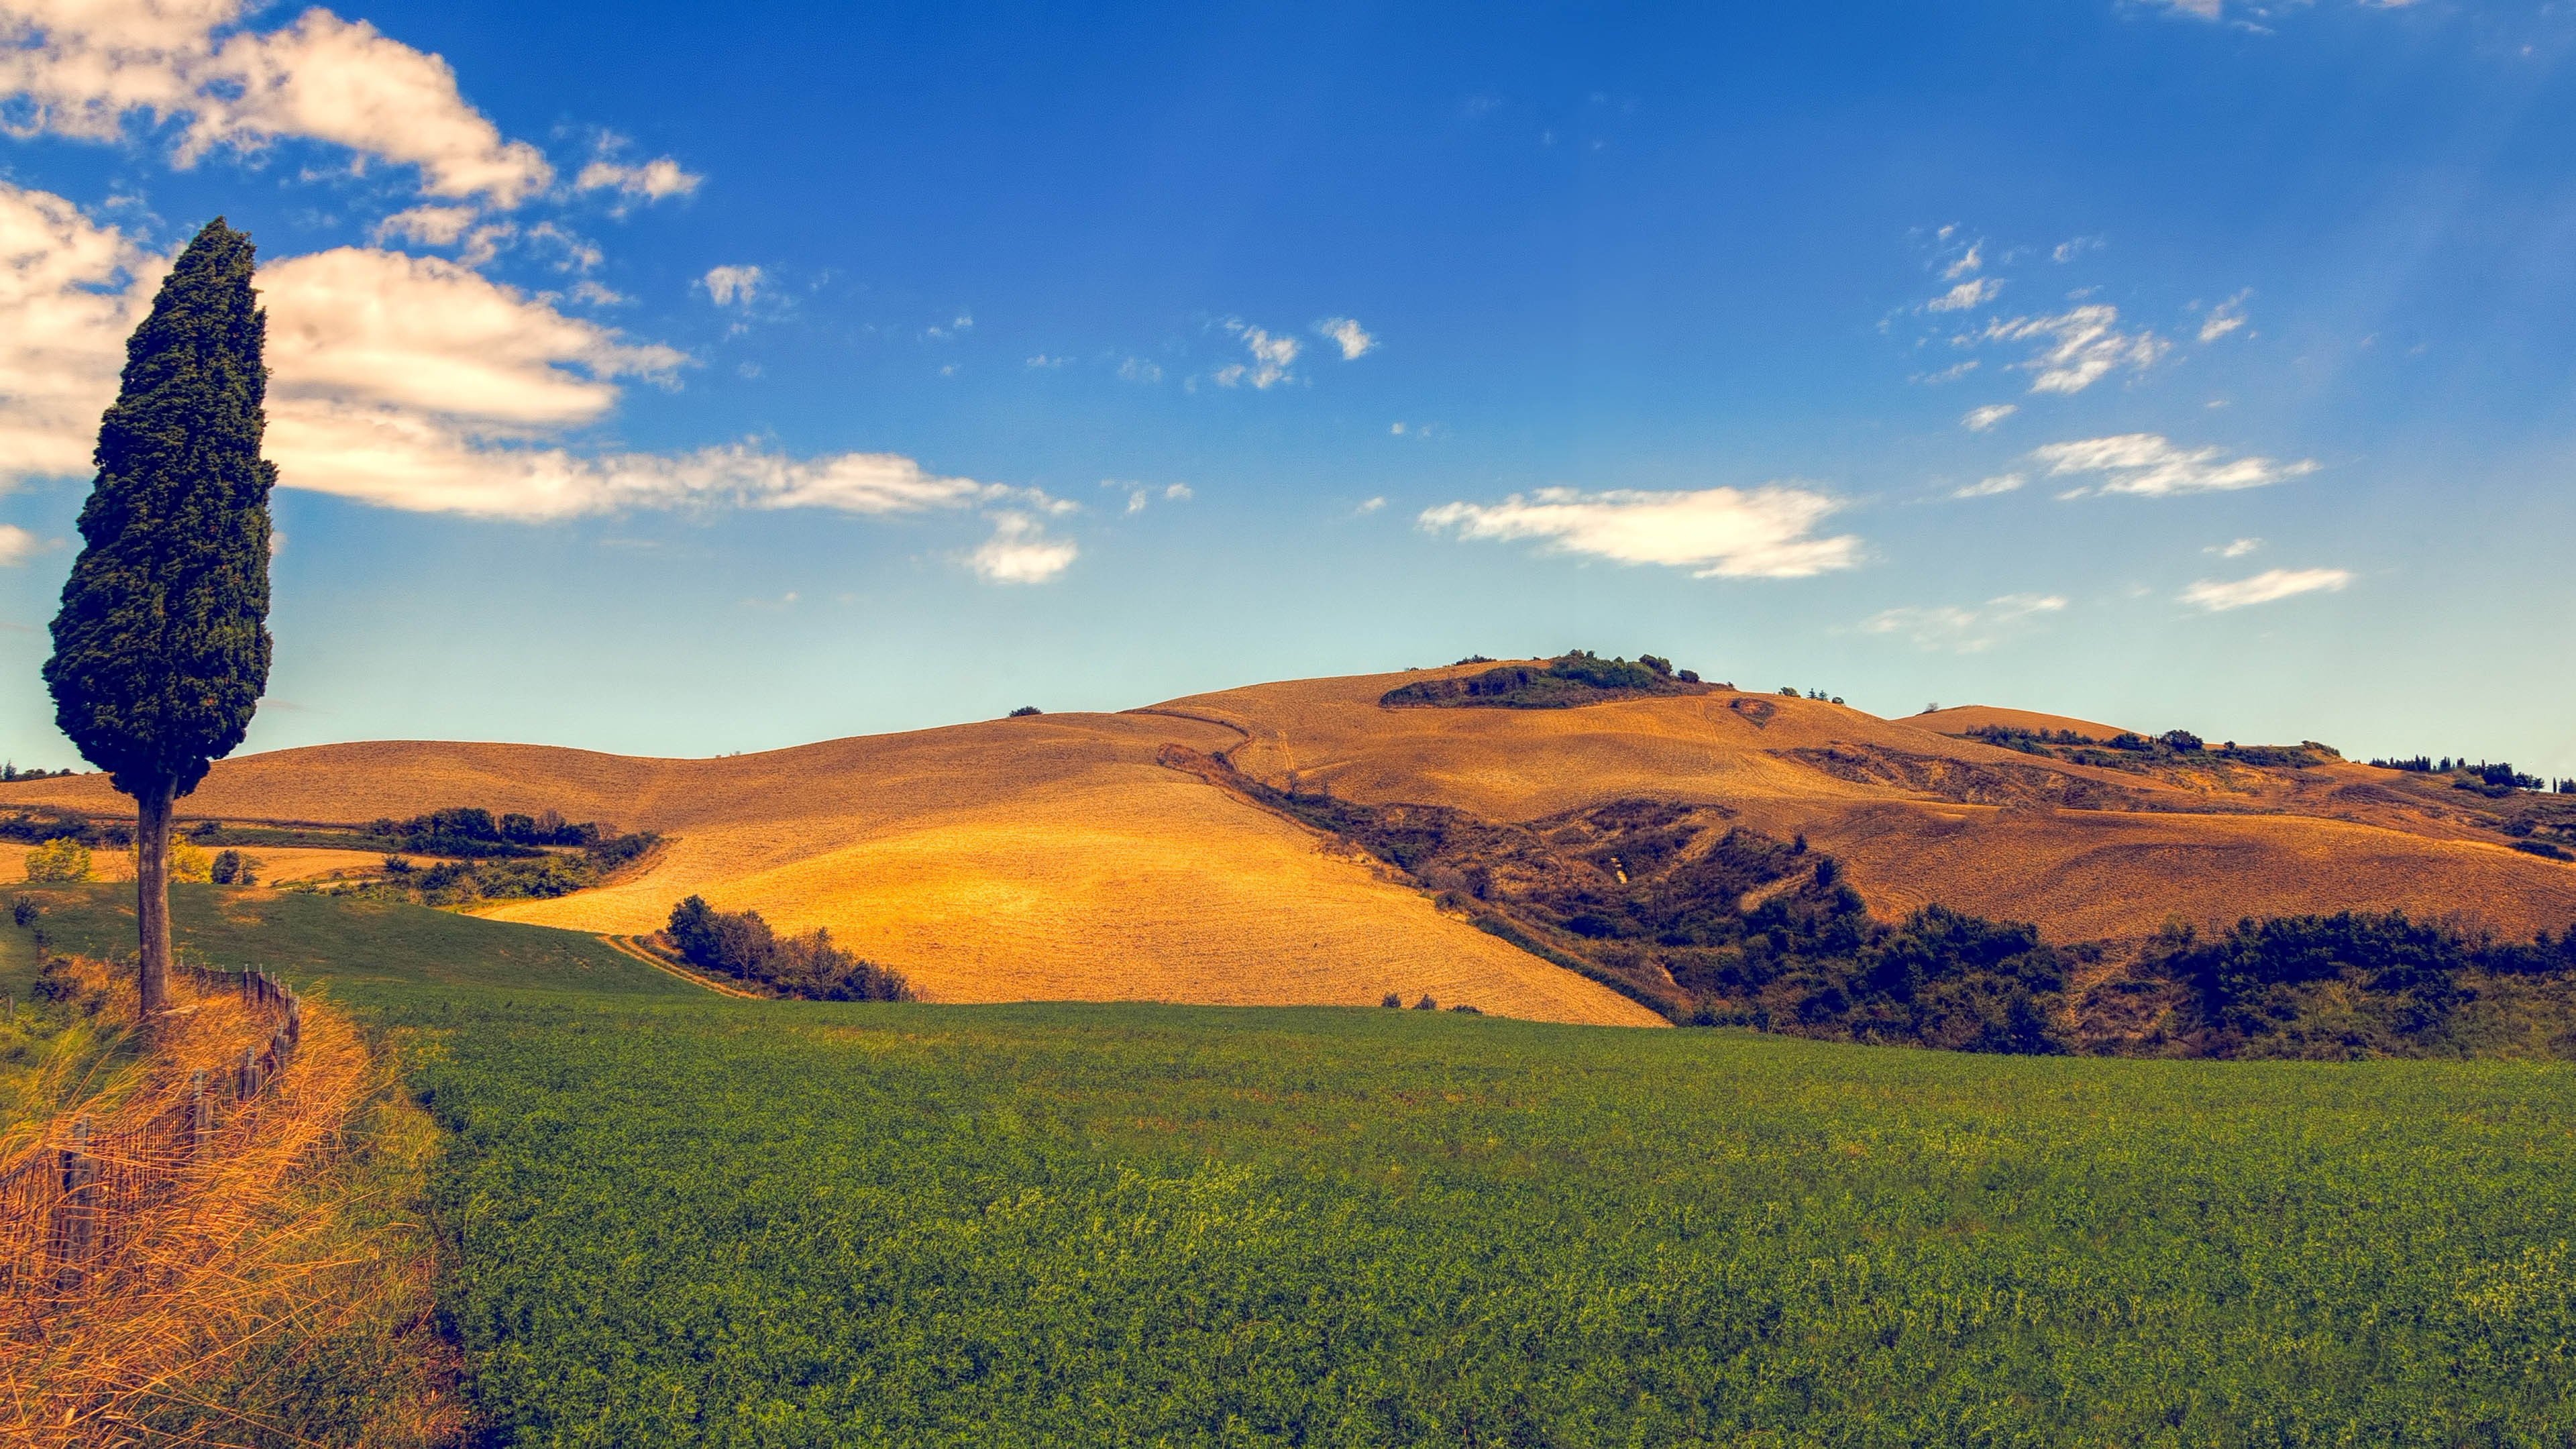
(79, 1220)
(246, 1077)
(201, 1129)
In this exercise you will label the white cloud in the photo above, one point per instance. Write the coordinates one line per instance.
(2237, 549)
(597, 295)
(1980, 419)
(1041, 360)
(648, 181)
(70, 291)
(1962, 630)
(2224, 318)
(2146, 464)
(1999, 484)
(436, 226)
(1968, 263)
(1952, 373)
(1354, 341)
(1179, 493)
(2217, 596)
(401, 381)
(1021, 552)
(1137, 369)
(1271, 358)
(1369, 507)
(728, 285)
(1715, 532)
(382, 329)
(82, 67)
(1972, 293)
(2069, 250)
(2078, 347)
(17, 545)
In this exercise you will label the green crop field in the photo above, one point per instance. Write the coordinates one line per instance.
(677, 1219)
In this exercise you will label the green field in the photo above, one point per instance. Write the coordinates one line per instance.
(677, 1219)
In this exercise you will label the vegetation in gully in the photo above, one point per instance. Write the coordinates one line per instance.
(675, 1219)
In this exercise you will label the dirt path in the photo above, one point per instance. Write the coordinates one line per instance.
(628, 946)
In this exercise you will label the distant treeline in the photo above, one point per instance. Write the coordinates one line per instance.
(40, 824)
(2497, 778)
(741, 945)
(472, 833)
(10, 771)
(2128, 748)
(1575, 678)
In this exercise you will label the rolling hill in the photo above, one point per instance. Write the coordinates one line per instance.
(1063, 857)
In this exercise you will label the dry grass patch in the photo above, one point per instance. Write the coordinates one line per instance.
(279, 1294)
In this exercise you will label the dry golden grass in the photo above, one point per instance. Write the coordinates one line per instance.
(207, 1316)
(1987, 716)
(1053, 858)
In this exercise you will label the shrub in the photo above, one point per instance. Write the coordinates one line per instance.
(742, 945)
(1024, 711)
(233, 868)
(24, 910)
(1389, 1000)
(65, 859)
(2180, 740)
(1426, 1003)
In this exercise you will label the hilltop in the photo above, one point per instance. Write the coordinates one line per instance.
(1085, 856)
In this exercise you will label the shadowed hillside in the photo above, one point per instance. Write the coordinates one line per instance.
(1059, 857)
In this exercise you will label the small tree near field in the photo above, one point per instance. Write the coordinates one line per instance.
(161, 649)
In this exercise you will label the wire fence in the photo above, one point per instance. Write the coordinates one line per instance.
(67, 1205)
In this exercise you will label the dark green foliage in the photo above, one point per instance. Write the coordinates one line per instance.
(1578, 678)
(24, 911)
(1391, 1000)
(2347, 985)
(2543, 849)
(10, 771)
(1426, 1003)
(1026, 710)
(230, 869)
(2180, 741)
(507, 872)
(42, 824)
(742, 945)
(161, 649)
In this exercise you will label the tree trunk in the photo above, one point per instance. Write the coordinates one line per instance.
(152, 896)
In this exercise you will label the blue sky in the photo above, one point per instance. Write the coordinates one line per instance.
(664, 380)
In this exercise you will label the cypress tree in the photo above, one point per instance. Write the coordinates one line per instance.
(161, 649)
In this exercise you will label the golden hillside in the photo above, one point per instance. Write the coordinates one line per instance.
(1055, 857)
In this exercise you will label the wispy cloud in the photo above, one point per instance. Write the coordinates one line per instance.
(1766, 532)
(1370, 506)
(2148, 465)
(2073, 247)
(1980, 419)
(2224, 318)
(2078, 347)
(2237, 549)
(1349, 335)
(1137, 369)
(17, 545)
(1999, 484)
(733, 285)
(1021, 551)
(1967, 630)
(1972, 293)
(1271, 358)
(2218, 596)
(1967, 263)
